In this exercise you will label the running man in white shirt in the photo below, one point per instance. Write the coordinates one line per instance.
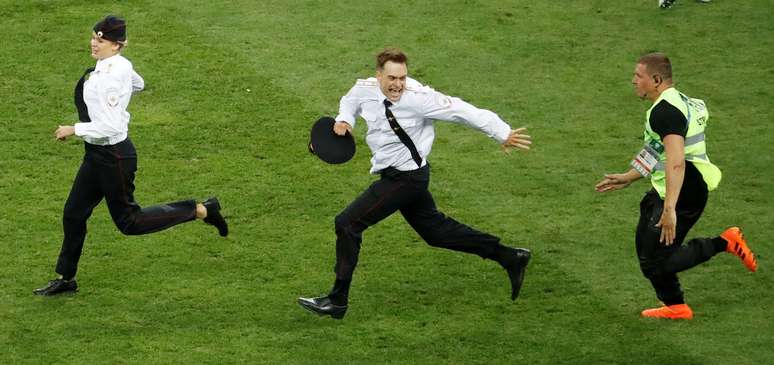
(400, 112)
(108, 167)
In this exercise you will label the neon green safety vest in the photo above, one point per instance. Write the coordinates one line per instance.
(695, 146)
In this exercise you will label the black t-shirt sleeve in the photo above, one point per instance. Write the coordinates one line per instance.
(666, 119)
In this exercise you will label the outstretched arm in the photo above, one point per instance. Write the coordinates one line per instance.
(442, 107)
(617, 181)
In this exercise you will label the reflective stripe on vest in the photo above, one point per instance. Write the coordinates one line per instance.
(692, 140)
(695, 145)
(703, 156)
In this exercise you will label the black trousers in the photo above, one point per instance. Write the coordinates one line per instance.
(661, 263)
(405, 192)
(108, 172)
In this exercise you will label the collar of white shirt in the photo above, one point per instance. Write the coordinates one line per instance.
(104, 64)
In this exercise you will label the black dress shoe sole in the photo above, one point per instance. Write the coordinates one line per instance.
(518, 277)
(312, 308)
(61, 293)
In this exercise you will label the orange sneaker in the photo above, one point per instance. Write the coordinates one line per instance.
(738, 246)
(676, 311)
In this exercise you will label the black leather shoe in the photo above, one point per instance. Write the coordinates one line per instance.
(213, 216)
(323, 306)
(57, 286)
(515, 264)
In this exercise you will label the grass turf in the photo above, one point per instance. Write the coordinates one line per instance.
(231, 91)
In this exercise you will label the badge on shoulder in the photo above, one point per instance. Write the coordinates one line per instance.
(329, 146)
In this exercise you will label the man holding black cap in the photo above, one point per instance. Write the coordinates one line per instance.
(399, 112)
(108, 167)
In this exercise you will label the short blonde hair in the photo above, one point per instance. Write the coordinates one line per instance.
(657, 63)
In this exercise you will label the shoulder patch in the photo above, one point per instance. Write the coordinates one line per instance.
(112, 97)
(443, 100)
(421, 89)
(366, 82)
(417, 87)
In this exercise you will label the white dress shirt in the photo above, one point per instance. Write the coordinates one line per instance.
(417, 109)
(107, 93)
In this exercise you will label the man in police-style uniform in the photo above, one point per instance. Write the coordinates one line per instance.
(674, 156)
(399, 112)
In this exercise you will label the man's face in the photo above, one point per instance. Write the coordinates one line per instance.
(644, 83)
(392, 79)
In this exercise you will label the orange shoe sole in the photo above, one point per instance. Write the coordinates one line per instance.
(677, 311)
(737, 245)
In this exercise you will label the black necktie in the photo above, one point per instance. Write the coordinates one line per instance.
(83, 111)
(401, 133)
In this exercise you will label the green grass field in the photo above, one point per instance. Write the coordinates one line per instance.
(232, 88)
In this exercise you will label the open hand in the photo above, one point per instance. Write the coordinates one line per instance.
(668, 224)
(517, 140)
(612, 182)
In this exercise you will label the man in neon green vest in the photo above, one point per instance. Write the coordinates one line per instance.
(674, 157)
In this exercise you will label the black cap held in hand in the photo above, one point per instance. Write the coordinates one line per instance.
(329, 146)
(111, 28)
